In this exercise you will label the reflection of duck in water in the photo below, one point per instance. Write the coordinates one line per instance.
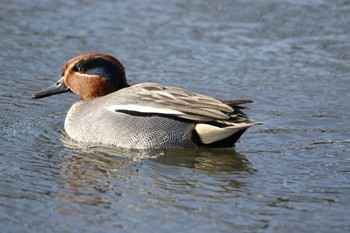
(95, 175)
(142, 116)
(211, 160)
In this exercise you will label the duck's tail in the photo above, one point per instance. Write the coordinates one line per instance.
(225, 133)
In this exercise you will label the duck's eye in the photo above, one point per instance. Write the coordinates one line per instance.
(81, 70)
(80, 67)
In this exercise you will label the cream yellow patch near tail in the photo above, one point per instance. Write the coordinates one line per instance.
(210, 133)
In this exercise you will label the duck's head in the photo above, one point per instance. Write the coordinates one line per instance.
(88, 75)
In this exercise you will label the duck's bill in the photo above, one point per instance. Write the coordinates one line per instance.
(57, 88)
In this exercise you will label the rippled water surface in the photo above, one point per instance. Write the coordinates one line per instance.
(291, 174)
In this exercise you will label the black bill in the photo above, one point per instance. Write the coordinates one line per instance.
(57, 88)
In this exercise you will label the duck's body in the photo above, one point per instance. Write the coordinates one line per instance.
(124, 129)
(142, 116)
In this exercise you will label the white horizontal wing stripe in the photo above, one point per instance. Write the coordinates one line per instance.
(145, 109)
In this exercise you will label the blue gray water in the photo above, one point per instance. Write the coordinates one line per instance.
(291, 174)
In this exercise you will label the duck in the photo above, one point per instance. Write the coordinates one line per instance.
(148, 115)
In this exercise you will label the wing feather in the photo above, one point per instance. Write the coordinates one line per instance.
(176, 102)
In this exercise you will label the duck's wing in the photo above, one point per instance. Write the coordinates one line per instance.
(154, 98)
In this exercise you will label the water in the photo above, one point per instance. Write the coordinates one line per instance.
(289, 175)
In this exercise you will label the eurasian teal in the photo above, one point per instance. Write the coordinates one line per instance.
(142, 116)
